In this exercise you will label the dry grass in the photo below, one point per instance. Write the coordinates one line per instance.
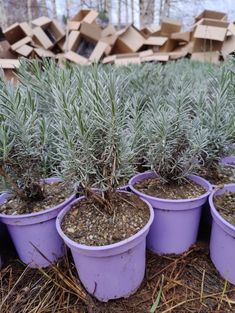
(188, 283)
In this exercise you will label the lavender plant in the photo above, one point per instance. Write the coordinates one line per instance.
(93, 137)
(24, 143)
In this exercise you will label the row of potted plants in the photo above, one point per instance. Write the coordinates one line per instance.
(91, 131)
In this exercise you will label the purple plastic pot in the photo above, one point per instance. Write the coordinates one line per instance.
(36, 229)
(228, 161)
(176, 222)
(111, 271)
(222, 243)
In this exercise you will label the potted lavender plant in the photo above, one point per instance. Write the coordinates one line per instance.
(105, 228)
(174, 148)
(30, 207)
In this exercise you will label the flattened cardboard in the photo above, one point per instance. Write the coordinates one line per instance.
(211, 14)
(25, 51)
(76, 58)
(169, 26)
(161, 57)
(109, 59)
(146, 53)
(211, 57)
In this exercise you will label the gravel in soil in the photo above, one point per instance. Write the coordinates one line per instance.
(87, 224)
(223, 175)
(225, 205)
(155, 188)
(54, 194)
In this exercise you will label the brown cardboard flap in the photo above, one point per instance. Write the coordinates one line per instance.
(184, 36)
(210, 32)
(98, 52)
(163, 57)
(109, 59)
(169, 46)
(72, 25)
(211, 57)
(41, 21)
(41, 38)
(205, 45)
(110, 40)
(20, 43)
(91, 31)
(42, 53)
(228, 46)
(25, 50)
(27, 29)
(108, 31)
(76, 58)
(155, 41)
(5, 52)
(87, 16)
(73, 41)
(211, 14)
(169, 26)
(9, 63)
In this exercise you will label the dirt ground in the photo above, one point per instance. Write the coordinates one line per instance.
(186, 283)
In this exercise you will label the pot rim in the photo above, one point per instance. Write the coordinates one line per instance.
(214, 212)
(141, 194)
(118, 244)
(54, 208)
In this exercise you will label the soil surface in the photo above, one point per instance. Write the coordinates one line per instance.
(225, 205)
(87, 224)
(54, 193)
(155, 188)
(224, 175)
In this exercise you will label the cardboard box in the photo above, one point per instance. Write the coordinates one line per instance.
(41, 39)
(51, 29)
(108, 31)
(211, 29)
(129, 40)
(181, 52)
(5, 52)
(155, 41)
(9, 66)
(25, 51)
(150, 30)
(17, 32)
(20, 43)
(169, 46)
(87, 16)
(211, 57)
(206, 45)
(211, 14)
(169, 26)
(86, 43)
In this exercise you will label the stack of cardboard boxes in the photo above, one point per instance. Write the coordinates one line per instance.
(211, 38)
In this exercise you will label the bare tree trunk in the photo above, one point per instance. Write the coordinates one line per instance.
(67, 6)
(44, 7)
(3, 16)
(132, 11)
(54, 9)
(147, 8)
(119, 13)
(126, 9)
(166, 8)
(29, 11)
